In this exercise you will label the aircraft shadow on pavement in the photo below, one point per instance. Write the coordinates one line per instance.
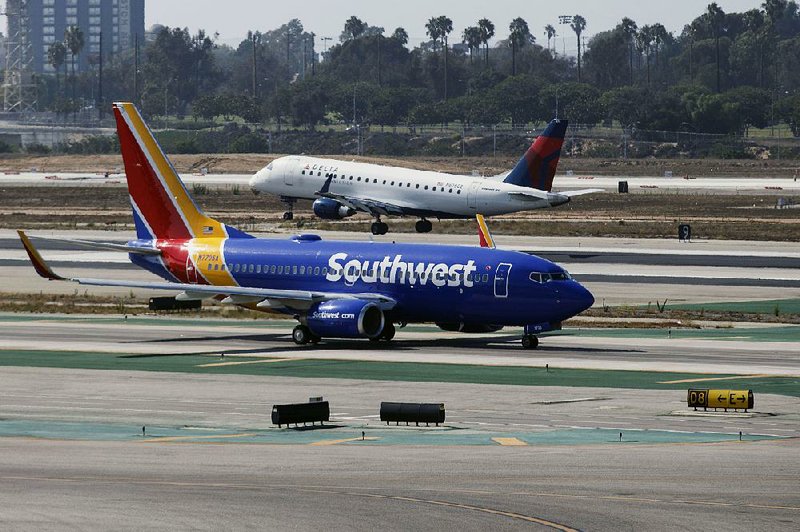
(504, 344)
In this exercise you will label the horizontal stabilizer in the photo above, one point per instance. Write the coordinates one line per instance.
(573, 193)
(107, 246)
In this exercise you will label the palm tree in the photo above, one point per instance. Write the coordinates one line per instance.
(354, 27)
(716, 18)
(578, 25)
(472, 38)
(660, 36)
(432, 29)
(73, 39)
(445, 25)
(487, 32)
(644, 43)
(520, 34)
(629, 28)
(400, 35)
(550, 31)
(57, 56)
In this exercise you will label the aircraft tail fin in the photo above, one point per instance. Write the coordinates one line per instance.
(484, 234)
(162, 207)
(537, 167)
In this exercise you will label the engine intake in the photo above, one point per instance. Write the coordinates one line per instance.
(345, 318)
(329, 209)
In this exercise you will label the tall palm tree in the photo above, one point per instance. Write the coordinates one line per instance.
(550, 31)
(445, 25)
(716, 19)
(487, 32)
(57, 56)
(73, 40)
(644, 43)
(629, 28)
(578, 25)
(519, 36)
(432, 29)
(472, 38)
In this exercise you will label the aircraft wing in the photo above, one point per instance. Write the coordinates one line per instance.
(236, 294)
(573, 193)
(370, 206)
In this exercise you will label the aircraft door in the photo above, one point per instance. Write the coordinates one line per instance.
(472, 195)
(191, 270)
(501, 276)
(288, 174)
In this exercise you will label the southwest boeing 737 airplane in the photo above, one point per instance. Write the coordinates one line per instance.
(340, 189)
(335, 289)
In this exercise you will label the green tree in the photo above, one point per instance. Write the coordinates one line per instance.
(434, 30)
(487, 32)
(57, 56)
(644, 44)
(74, 41)
(353, 28)
(400, 35)
(519, 36)
(577, 102)
(629, 28)
(578, 25)
(716, 19)
(472, 38)
(550, 32)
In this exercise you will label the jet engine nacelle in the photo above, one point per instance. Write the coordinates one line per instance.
(329, 209)
(345, 318)
(469, 328)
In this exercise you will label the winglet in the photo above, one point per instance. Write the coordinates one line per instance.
(38, 262)
(487, 241)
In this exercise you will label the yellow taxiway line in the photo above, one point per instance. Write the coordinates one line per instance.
(211, 437)
(265, 361)
(510, 442)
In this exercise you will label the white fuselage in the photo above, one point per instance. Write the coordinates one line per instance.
(415, 192)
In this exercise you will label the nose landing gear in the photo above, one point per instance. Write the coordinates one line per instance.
(289, 214)
(530, 341)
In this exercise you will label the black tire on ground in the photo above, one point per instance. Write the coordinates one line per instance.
(529, 341)
(288, 216)
(301, 335)
(388, 331)
(423, 226)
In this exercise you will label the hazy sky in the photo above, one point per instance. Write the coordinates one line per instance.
(232, 18)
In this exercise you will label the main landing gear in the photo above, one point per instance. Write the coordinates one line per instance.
(387, 333)
(530, 341)
(424, 226)
(379, 227)
(289, 214)
(302, 335)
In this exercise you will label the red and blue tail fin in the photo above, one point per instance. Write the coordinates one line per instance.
(162, 207)
(537, 167)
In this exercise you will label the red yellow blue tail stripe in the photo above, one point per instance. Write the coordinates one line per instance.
(485, 236)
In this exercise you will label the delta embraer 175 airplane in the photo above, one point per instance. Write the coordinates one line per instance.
(335, 289)
(340, 188)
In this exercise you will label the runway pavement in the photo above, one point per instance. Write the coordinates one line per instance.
(649, 184)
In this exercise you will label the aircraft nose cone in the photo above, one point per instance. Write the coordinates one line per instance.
(579, 299)
(254, 182)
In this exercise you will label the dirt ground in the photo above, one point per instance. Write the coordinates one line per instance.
(251, 163)
(642, 215)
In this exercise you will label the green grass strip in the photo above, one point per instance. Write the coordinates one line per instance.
(396, 371)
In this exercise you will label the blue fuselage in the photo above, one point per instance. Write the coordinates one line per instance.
(430, 283)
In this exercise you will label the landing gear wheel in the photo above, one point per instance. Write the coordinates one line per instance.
(288, 216)
(424, 226)
(388, 332)
(315, 339)
(302, 335)
(379, 228)
(529, 341)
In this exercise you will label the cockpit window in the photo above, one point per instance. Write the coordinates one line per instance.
(538, 277)
(269, 166)
(561, 276)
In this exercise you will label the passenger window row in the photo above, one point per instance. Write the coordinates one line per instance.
(270, 269)
(375, 182)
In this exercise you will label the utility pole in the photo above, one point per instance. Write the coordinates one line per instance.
(254, 66)
(100, 104)
(136, 69)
